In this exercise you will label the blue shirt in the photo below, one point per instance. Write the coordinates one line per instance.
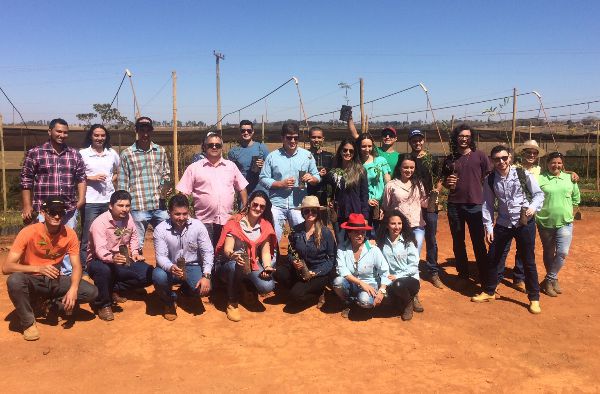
(242, 156)
(279, 166)
(319, 260)
(509, 192)
(402, 258)
(192, 243)
(371, 267)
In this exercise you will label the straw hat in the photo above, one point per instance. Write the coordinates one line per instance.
(310, 202)
(356, 221)
(530, 144)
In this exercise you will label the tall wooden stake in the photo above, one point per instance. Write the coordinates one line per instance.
(598, 157)
(452, 124)
(514, 118)
(587, 149)
(219, 56)
(4, 201)
(135, 102)
(529, 130)
(262, 131)
(363, 123)
(175, 145)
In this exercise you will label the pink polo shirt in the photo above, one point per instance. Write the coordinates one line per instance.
(212, 188)
(105, 239)
(396, 195)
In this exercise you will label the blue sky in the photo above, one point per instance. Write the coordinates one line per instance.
(58, 58)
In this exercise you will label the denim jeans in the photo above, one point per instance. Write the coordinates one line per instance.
(431, 248)
(458, 215)
(89, 212)
(280, 215)
(419, 236)
(556, 243)
(518, 273)
(525, 239)
(164, 281)
(233, 276)
(351, 292)
(70, 219)
(143, 218)
(111, 278)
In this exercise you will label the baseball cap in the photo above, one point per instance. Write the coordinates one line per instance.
(415, 133)
(53, 203)
(391, 129)
(143, 121)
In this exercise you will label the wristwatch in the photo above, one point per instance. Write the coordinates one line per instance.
(383, 291)
(207, 276)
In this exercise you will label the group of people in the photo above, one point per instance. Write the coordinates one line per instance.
(356, 221)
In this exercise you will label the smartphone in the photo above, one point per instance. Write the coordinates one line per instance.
(345, 113)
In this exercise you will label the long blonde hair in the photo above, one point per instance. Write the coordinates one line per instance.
(355, 169)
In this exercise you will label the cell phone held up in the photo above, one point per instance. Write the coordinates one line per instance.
(345, 113)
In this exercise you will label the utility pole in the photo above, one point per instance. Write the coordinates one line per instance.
(219, 56)
(136, 106)
(363, 122)
(4, 200)
(175, 147)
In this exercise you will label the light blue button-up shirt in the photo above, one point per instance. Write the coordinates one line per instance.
(509, 192)
(279, 166)
(402, 259)
(193, 243)
(371, 268)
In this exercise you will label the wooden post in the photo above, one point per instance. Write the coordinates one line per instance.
(4, 201)
(363, 123)
(530, 131)
(598, 157)
(514, 118)
(452, 124)
(262, 132)
(135, 102)
(175, 145)
(587, 149)
(218, 57)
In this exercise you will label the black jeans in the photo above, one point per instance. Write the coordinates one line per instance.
(431, 257)
(525, 239)
(22, 286)
(110, 277)
(458, 215)
(403, 290)
(214, 232)
(300, 291)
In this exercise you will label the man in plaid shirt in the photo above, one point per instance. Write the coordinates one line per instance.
(145, 173)
(53, 169)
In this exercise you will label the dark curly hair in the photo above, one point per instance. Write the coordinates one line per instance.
(407, 233)
(454, 137)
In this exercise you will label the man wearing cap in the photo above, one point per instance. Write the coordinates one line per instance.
(389, 136)
(212, 183)
(32, 265)
(145, 173)
(428, 168)
(324, 162)
(285, 174)
(54, 169)
(249, 155)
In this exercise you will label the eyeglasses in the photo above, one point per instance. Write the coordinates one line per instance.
(256, 205)
(214, 145)
(464, 137)
(345, 150)
(292, 137)
(244, 131)
(500, 158)
(310, 211)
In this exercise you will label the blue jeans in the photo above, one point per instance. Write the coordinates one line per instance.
(143, 218)
(350, 292)
(458, 215)
(419, 236)
(70, 219)
(431, 248)
(280, 215)
(90, 212)
(525, 239)
(233, 276)
(556, 243)
(109, 278)
(518, 272)
(164, 281)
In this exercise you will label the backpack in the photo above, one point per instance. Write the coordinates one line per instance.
(522, 180)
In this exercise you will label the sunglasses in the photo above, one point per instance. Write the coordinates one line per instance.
(244, 131)
(292, 138)
(530, 152)
(388, 134)
(56, 212)
(345, 150)
(500, 158)
(310, 211)
(256, 205)
(214, 145)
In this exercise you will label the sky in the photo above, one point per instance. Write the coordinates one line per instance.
(58, 58)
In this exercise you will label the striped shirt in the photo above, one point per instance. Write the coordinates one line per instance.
(50, 173)
(143, 173)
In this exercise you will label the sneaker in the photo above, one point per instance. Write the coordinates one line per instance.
(520, 286)
(417, 306)
(233, 312)
(170, 312)
(31, 333)
(105, 313)
(346, 312)
(534, 307)
(407, 313)
(436, 282)
(556, 286)
(483, 297)
(547, 288)
(118, 299)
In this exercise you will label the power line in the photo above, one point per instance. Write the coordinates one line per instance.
(14, 107)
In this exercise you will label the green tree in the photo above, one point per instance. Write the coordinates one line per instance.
(86, 118)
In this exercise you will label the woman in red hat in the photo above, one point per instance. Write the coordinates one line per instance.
(362, 270)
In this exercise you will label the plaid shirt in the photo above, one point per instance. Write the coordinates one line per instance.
(143, 173)
(48, 173)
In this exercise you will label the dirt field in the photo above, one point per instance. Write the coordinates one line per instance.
(454, 345)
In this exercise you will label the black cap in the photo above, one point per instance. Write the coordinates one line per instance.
(143, 122)
(53, 202)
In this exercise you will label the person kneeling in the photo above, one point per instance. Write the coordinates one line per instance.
(184, 255)
(244, 238)
(114, 262)
(361, 268)
(33, 263)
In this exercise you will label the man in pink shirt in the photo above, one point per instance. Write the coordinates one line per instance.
(113, 259)
(212, 182)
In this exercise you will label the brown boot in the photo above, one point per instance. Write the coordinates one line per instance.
(547, 288)
(170, 312)
(436, 282)
(417, 306)
(407, 313)
(105, 313)
(118, 299)
(556, 286)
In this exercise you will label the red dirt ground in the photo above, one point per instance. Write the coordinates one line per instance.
(454, 345)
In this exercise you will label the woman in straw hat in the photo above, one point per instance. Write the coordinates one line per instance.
(530, 152)
(311, 258)
(362, 270)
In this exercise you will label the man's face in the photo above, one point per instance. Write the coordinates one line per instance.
(388, 137)
(53, 216)
(213, 147)
(416, 143)
(464, 139)
(246, 132)
(501, 160)
(59, 133)
(144, 132)
(120, 209)
(316, 139)
(179, 216)
(290, 141)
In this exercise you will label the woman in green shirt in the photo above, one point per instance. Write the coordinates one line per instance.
(555, 219)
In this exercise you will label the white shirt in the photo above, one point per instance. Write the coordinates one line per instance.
(107, 162)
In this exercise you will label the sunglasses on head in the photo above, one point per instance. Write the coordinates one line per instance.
(307, 211)
(500, 158)
(292, 137)
(214, 145)
(256, 205)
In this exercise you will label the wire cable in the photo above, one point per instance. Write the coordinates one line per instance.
(118, 90)
(14, 107)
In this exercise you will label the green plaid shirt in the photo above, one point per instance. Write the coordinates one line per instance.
(143, 173)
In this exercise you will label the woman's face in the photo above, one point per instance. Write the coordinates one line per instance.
(530, 156)
(347, 152)
(394, 226)
(366, 148)
(257, 207)
(357, 237)
(98, 138)
(555, 166)
(408, 169)
(310, 215)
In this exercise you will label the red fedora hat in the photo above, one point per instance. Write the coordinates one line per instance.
(356, 221)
